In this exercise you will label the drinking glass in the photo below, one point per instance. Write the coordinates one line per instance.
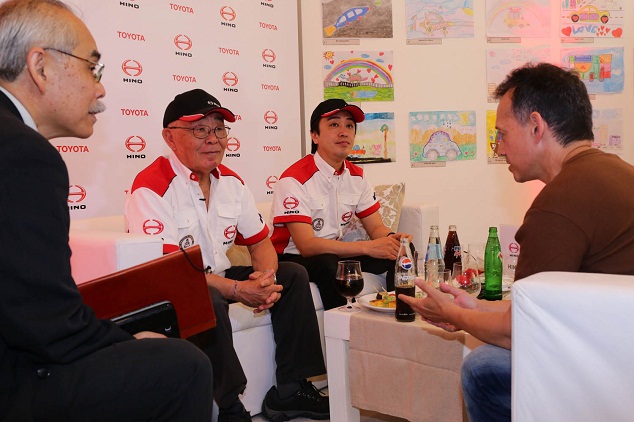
(349, 282)
(431, 273)
(466, 279)
(444, 277)
(474, 258)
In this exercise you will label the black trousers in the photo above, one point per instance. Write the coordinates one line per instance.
(135, 380)
(298, 353)
(323, 268)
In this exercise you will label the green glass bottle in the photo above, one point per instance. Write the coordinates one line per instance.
(493, 267)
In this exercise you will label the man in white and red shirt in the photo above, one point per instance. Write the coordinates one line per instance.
(189, 198)
(315, 199)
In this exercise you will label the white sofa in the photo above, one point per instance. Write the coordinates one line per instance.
(573, 347)
(100, 246)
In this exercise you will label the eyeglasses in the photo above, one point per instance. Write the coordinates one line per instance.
(203, 132)
(97, 69)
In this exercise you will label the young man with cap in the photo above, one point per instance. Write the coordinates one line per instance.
(315, 199)
(197, 200)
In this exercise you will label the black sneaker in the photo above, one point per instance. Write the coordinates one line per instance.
(306, 402)
(243, 416)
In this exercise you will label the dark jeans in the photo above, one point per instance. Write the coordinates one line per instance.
(486, 384)
(298, 353)
(323, 268)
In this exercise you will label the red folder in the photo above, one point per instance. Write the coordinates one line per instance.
(177, 277)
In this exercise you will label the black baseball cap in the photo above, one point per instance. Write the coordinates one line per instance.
(194, 105)
(333, 106)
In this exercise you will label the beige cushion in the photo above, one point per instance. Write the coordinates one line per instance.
(390, 198)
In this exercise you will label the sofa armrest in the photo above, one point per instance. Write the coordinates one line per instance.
(415, 220)
(572, 347)
(96, 253)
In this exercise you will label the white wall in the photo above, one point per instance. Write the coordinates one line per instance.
(471, 194)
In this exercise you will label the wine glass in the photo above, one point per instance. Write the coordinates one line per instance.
(465, 278)
(349, 282)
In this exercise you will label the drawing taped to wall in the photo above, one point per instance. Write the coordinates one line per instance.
(492, 139)
(600, 69)
(501, 61)
(607, 127)
(439, 18)
(357, 18)
(442, 136)
(592, 18)
(374, 141)
(358, 75)
(526, 18)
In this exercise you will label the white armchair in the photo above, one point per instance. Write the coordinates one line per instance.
(572, 347)
(100, 246)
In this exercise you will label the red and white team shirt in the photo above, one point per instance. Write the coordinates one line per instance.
(166, 201)
(310, 191)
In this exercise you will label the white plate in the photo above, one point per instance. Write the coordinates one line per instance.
(365, 302)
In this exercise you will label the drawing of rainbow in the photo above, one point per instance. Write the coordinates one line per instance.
(532, 10)
(356, 63)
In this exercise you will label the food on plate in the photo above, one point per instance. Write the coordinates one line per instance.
(387, 300)
(384, 300)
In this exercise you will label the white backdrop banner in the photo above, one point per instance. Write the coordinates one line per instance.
(245, 53)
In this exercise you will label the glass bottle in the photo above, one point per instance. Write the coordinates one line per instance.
(453, 251)
(434, 261)
(493, 266)
(404, 276)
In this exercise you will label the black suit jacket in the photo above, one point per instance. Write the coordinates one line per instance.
(43, 320)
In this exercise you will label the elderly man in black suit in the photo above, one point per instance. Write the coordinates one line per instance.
(57, 360)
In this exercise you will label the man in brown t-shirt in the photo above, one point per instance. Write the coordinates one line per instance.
(581, 221)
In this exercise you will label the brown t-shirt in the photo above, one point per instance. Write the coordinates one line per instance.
(583, 220)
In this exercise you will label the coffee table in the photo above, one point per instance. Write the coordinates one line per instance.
(337, 336)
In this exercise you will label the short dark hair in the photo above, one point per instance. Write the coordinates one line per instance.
(558, 95)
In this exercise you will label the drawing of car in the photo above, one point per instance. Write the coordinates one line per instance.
(357, 151)
(590, 13)
(441, 145)
(434, 22)
(514, 17)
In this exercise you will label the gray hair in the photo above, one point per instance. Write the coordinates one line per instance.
(25, 24)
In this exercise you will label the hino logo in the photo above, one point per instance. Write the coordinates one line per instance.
(132, 68)
(76, 194)
(183, 42)
(135, 143)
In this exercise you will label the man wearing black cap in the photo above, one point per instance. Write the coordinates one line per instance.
(315, 199)
(193, 199)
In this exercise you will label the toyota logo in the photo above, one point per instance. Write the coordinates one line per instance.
(271, 181)
(346, 217)
(153, 227)
(76, 194)
(230, 232)
(228, 13)
(230, 79)
(132, 68)
(233, 144)
(268, 55)
(270, 117)
(183, 42)
(290, 203)
(135, 143)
